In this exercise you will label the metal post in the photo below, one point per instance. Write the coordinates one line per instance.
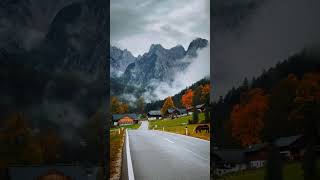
(186, 131)
(162, 128)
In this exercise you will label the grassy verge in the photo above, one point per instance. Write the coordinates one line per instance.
(131, 126)
(291, 171)
(178, 126)
(116, 144)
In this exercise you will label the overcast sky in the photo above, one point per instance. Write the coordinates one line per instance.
(251, 37)
(136, 24)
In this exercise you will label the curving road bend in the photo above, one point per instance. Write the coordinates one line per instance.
(158, 155)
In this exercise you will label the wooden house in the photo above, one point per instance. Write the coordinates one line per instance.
(124, 119)
(256, 155)
(154, 114)
(228, 160)
(292, 147)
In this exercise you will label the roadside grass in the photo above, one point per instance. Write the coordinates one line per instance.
(131, 126)
(291, 171)
(116, 144)
(178, 126)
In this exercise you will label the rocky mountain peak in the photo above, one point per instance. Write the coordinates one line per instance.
(156, 48)
(195, 45)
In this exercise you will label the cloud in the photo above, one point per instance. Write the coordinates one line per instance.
(136, 24)
(198, 69)
(267, 34)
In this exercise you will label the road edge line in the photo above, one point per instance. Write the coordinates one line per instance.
(129, 161)
(183, 135)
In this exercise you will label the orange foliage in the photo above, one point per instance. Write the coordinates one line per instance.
(309, 89)
(205, 89)
(118, 107)
(307, 96)
(167, 104)
(187, 98)
(247, 117)
(205, 92)
(124, 108)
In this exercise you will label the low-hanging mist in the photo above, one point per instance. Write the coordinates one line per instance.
(198, 69)
(268, 31)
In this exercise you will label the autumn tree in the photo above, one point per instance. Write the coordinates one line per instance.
(187, 98)
(197, 95)
(167, 105)
(281, 101)
(118, 107)
(247, 117)
(205, 94)
(123, 108)
(307, 108)
(115, 105)
(20, 145)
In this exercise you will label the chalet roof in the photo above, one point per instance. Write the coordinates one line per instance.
(171, 110)
(32, 172)
(199, 106)
(255, 147)
(230, 155)
(182, 110)
(116, 117)
(280, 142)
(286, 141)
(154, 113)
(190, 108)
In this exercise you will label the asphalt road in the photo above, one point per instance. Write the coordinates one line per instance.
(159, 155)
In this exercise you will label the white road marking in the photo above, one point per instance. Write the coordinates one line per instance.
(129, 161)
(196, 154)
(169, 140)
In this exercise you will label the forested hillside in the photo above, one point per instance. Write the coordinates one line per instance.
(177, 97)
(269, 102)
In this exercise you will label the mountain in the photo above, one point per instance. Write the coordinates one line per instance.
(119, 61)
(60, 36)
(53, 69)
(157, 65)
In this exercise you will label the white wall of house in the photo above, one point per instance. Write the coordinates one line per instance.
(154, 118)
(286, 154)
(257, 163)
(181, 115)
(235, 168)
